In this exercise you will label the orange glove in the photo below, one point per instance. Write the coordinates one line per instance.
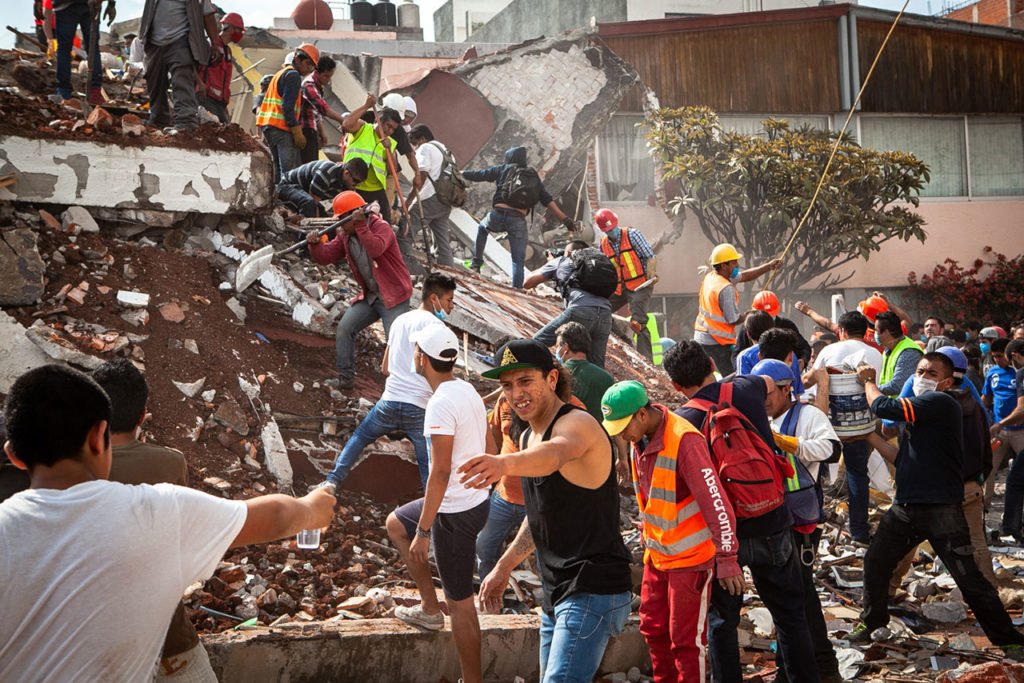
(786, 443)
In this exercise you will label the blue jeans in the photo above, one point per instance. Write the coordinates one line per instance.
(1013, 501)
(502, 519)
(775, 568)
(384, 418)
(514, 224)
(855, 455)
(596, 319)
(573, 641)
(298, 200)
(67, 22)
(359, 316)
(283, 150)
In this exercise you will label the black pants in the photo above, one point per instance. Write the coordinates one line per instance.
(311, 152)
(776, 571)
(379, 196)
(824, 654)
(298, 200)
(944, 526)
(722, 355)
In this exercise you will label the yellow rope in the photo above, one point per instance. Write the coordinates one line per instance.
(835, 146)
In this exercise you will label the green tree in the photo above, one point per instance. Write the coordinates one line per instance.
(752, 190)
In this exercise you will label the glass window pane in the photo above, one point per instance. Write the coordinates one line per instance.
(625, 169)
(937, 142)
(750, 124)
(997, 156)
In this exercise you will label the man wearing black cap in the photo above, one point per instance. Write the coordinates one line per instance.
(572, 516)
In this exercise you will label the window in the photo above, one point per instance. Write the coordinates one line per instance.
(938, 142)
(625, 169)
(750, 124)
(997, 156)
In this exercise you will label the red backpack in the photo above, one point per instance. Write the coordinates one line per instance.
(750, 471)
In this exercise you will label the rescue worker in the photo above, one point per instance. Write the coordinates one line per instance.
(214, 84)
(901, 354)
(719, 304)
(372, 143)
(633, 257)
(767, 301)
(278, 115)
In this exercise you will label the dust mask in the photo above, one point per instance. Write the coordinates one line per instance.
(923, 385)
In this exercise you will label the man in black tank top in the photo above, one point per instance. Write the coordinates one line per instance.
(572, 516)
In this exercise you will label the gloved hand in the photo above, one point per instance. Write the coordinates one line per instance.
(110, 13)
(786, 443)
(51, 51)
(569, 224)
(298, 138)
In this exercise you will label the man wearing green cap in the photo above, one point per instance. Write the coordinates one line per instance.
(572, 516)
(684, 551)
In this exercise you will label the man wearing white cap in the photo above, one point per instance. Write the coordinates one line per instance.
(450, 514)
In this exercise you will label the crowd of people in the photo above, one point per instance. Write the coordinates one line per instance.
(728, 474)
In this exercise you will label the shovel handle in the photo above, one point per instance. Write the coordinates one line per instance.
(319, 233)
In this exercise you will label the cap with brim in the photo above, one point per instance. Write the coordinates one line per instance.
(620, 403)
(437, 341)
(520, 354)
(779, 372)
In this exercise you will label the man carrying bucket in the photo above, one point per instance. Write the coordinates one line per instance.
(849, 412)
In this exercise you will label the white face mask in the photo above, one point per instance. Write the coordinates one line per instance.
(923, 385)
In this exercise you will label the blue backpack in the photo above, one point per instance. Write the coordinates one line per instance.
(804, 497)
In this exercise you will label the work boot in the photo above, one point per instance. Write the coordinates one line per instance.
(1014, 652)
(417, 617)
(340, 384)
(96, 95)
(860, 634)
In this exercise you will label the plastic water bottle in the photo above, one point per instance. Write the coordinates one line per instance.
(309, 539)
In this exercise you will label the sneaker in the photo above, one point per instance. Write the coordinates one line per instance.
(468, 263)
(860, 634)
(340, 384)
(417, 617)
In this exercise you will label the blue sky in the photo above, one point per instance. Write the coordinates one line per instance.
(18, 13)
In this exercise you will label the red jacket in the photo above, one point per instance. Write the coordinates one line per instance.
(381, 245)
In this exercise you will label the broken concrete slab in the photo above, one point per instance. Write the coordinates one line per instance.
(190, 389)
(134, 299)
(232, 416)
(19, 353)
(22, 271)
(275, 455)
(97, 174)
(80, 217)
(58, 348)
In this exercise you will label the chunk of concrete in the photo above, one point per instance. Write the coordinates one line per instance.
(275, 455)
(190, 389)
(945, 612)
(19, 354)
(58, 348)
(133, 299)
(22, 271)
(232, 416)
(76, 215)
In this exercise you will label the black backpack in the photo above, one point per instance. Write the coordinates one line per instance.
(592, 272)
(450, 186)
(522, 188)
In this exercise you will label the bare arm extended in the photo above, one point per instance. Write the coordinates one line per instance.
(493, 585)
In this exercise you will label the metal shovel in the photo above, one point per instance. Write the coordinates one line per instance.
(252, 267)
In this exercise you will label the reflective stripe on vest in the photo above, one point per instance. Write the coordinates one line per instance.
(710, 317)
(271, 111)
(674, 531)
(629, 265)
(366, 145)
(891, 357)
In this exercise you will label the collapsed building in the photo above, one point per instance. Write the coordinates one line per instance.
(117, 240)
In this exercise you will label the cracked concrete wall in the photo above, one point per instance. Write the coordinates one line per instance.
(158, 178)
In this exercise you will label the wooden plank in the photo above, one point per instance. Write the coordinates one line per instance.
(8, 180)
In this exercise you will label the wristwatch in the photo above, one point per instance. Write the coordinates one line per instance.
(421, 533)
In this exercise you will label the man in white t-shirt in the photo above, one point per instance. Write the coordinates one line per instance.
(430, 157)
(92, 569)
(846, 355)
(405, 396)
(449, 514)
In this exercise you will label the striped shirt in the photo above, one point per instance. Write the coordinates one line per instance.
(640, 244)
(322, 179)
(313, 104)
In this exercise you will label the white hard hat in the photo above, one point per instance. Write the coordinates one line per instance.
(410, 106)
(394, 101)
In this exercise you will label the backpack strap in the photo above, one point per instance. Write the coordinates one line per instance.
(792, 418)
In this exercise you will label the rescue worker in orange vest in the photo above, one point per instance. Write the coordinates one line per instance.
(633, 256)
(719, 304)
(689, 529)
(278, 115)
(214, 83)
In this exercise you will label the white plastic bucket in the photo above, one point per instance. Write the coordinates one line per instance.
(848, 407)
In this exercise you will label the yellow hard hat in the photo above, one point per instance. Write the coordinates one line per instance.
(724, 253)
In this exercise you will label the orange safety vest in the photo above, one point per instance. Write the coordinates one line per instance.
(271, 111)
(629, 265)
(674, 531)
(710, 318)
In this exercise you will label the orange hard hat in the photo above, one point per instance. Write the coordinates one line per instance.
(310, 51)
(233, 19)
(347, 202)
(605, 219)
(767, 301)
(872, 306)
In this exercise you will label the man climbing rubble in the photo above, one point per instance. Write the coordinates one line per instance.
(406, 392)
(449, 516)
(689, 529)
(172, 33)
(373, 143)
(303, 189)
(118, 557)
(368, 245)
(572, 516)
(633, 258)
(518, 189)
(279, 110)
(67, 17)
(928, 503)
(214, 83)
